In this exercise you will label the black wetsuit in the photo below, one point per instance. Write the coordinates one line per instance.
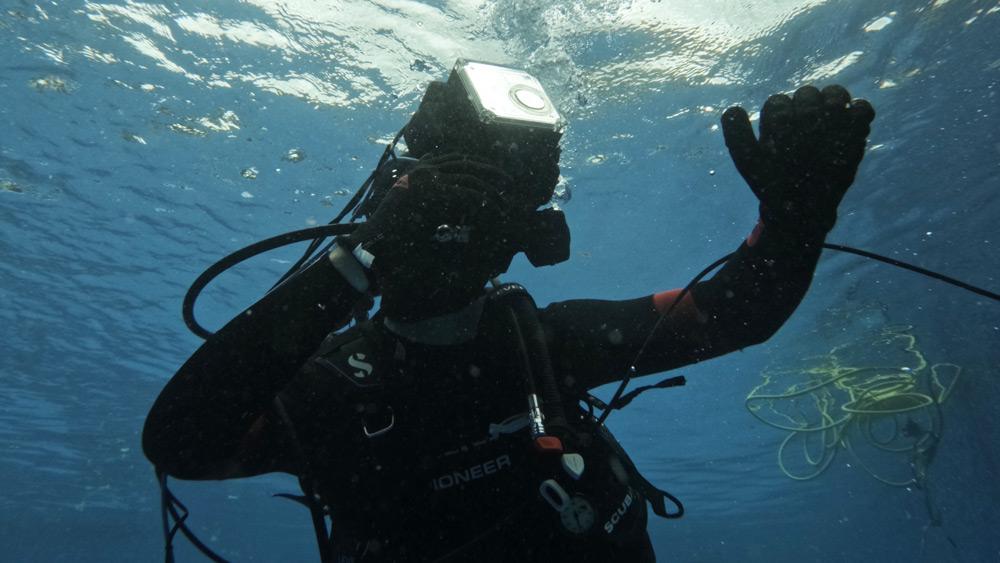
(217, 418)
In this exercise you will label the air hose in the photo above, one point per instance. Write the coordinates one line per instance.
(318, 233)
(312, 233)
(536, 364)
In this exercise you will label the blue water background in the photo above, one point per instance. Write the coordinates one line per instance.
(122, 178)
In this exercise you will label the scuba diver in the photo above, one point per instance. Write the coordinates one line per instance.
(455, 423)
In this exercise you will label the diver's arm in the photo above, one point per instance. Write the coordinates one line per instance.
(799, 169)
(757, 289)
(214, 416)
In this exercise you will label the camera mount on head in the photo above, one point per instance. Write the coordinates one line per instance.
(497, 113)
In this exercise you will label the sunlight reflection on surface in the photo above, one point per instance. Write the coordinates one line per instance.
(375, 50)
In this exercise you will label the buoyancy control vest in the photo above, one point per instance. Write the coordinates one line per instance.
(438, 453)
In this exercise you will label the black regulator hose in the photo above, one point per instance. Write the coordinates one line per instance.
(318, 233)
(187, 309)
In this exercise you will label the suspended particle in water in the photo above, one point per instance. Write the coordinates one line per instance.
(878, 24)
(51, 83)
(294, 155)
(562, 193)
(249, 173)
(133, 138)
(186, 130)
(8, 186)
(227, 121)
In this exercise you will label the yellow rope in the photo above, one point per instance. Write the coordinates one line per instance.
(833, 400)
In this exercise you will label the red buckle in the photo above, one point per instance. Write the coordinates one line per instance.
(548, 444)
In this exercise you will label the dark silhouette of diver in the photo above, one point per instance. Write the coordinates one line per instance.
(449, 425)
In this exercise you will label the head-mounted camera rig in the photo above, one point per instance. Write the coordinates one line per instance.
(496, 112)
(506, 96)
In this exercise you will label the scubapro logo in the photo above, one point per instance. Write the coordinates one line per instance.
(621, 511)
(357, 361)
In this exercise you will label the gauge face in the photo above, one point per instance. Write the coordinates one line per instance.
(579, 516)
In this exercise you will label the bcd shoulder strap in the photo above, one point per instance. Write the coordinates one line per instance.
(539, 374)
(353, 358)
(352, 355)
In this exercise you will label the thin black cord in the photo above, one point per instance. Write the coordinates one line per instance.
(912, 268)
(614, 403)
(170, 505)
(649, 337)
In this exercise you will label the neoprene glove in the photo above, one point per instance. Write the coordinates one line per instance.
(809, 150)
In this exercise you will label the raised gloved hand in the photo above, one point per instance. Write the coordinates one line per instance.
(809, 150)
